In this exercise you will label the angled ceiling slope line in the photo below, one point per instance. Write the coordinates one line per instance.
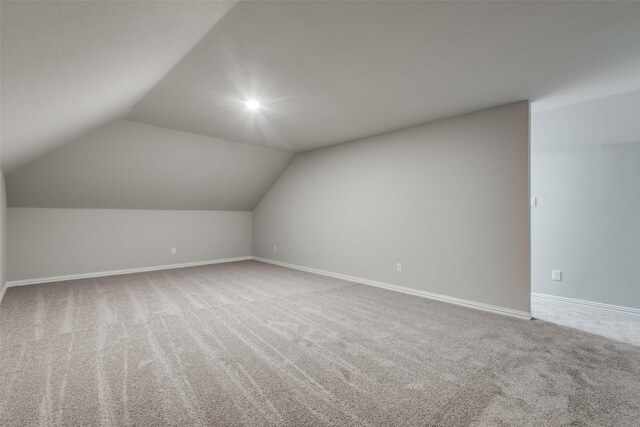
(131, 165)
(332, 72)
(325, 72)
(70, 67)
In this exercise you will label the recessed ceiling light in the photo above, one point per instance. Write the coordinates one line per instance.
(253, 104)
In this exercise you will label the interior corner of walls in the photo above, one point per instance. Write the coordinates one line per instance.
(3, 288)
(3, 233)
(397, 170)
(275, 181)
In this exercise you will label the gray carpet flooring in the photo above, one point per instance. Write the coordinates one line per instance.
(249, 343)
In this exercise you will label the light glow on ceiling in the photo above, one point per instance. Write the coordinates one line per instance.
(253, 104)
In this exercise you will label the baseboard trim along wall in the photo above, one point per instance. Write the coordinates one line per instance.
(416, 292)
(585, 303)
(118, 272)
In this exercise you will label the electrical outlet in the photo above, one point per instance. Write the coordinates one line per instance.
(173, 251)
(399, 267)
(556, 275)
(275, 248)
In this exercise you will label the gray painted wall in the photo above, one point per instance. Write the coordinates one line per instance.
(587, 223)
(129, 165)
(3, 234)
(449, 200)
(53, 242)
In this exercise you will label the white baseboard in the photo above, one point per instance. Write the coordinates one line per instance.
(585, 303)
(118, 272)
(430, 295)
(416, 292)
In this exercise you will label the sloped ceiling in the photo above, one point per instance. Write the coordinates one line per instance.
(608, 120)
(132, 165)
(325, 72)
(67, 67)
(330, 72)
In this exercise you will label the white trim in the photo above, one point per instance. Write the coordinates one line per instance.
(420, 293)
(118, 272)
(585, 303)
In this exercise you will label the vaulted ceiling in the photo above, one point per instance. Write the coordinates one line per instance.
(330, 72)
(76, 77)
(131, 165)
(68, 67)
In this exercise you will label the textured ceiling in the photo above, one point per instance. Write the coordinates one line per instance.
(70, 66)
(330, 72)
